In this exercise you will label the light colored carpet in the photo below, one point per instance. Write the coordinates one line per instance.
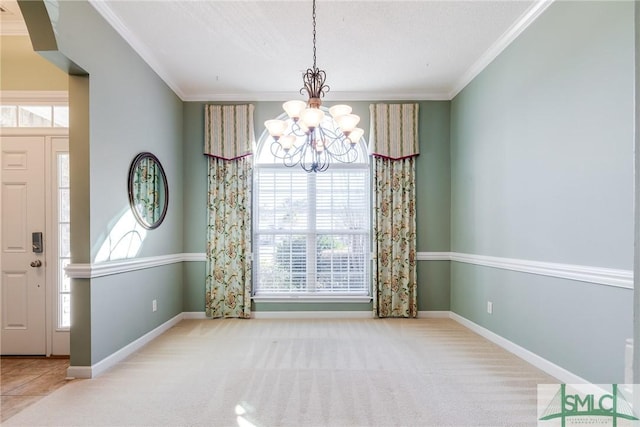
(243, 373)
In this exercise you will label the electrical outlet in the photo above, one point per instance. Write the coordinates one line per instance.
(489, 307)
(154, 305)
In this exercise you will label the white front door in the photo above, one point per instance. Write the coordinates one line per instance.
(22, 212)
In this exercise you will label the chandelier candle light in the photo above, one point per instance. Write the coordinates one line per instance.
(308, 138)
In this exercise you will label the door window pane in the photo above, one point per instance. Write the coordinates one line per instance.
(65, 313)
(61, 116)
(63, 279)
(65, 244)
(8, 116)
(63, 170)
(64, 241)
(64, 204)
(34, 116)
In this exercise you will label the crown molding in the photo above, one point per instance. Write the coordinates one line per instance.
(240, 97)
(332, 97)
(501, 44)
(140, 48)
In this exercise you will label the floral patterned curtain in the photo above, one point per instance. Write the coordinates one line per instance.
(146, 181)
(229, 133)
(394, 138)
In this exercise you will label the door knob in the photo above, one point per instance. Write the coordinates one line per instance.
(36, 263)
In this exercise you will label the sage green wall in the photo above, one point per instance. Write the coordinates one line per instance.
(120, 322)
(542, 169)
(433, 204)
(130, 109)
(80, 219)
(195, 204)
(433, 182)
(23, 69)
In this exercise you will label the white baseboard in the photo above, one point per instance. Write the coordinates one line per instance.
(78, 372)
(126, 351)
(194, 315)
(539, 362)
(312, 314)
(434, 314)
(318, 314)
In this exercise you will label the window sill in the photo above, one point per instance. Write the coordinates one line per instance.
(313, 298)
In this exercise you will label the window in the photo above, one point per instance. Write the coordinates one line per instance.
(64, 242)
(30, 116)
(311, 232)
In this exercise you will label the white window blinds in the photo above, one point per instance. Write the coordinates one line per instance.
(311, 231)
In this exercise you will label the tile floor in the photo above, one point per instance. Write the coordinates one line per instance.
(24, 381)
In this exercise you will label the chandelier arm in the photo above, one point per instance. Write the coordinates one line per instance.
(280, 153)
(349, 156)
(307, 160)
(295, 157)
(297, 130)
(289, 162)
(275, 150)
(332, 134)
(319, 163)
(334, 143)
(323, 165)
(334, 140)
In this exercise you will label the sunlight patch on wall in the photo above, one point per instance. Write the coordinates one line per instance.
(124, 240)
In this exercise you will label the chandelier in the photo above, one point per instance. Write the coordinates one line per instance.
(309, 138)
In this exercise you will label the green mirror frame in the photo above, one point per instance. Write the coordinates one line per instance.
(148, 190)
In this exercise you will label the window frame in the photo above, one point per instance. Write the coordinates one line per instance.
(310, 230)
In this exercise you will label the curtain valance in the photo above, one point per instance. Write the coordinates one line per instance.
(229, 131)
(394, 130)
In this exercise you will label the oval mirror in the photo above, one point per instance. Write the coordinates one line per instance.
(148, 190)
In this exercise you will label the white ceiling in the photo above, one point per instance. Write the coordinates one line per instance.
(256, 50)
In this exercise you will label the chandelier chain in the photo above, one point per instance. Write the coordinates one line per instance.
(307, 138)
(314, 34)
